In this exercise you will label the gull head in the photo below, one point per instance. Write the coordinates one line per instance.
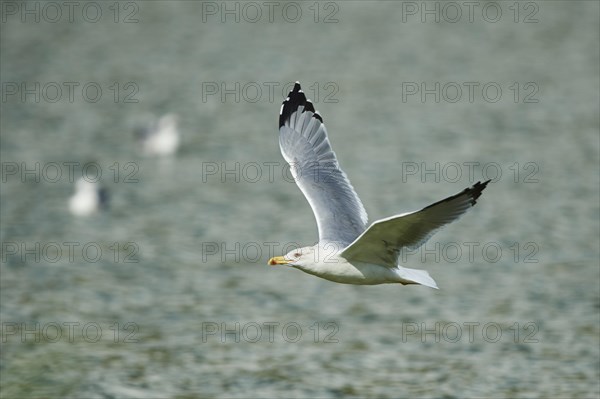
(297, 257)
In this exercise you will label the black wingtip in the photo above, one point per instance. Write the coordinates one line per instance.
(295, 99)
(476, 190)
(473, 192)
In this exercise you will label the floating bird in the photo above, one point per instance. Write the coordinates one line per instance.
(89, 197)
(347, 251)
(160, 137)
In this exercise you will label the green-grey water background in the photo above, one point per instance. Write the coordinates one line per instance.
(352, 58)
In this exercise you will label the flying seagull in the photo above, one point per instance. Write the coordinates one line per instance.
(348, 252)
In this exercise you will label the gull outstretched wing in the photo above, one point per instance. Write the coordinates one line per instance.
(382, 242)
(303, 141)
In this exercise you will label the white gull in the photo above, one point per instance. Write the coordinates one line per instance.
(348, 252)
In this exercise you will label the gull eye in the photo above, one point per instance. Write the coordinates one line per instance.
(297, 255)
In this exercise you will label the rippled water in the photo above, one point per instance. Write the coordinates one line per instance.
(172, 296)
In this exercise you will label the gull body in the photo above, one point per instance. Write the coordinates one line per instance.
(325, 261)
(88, 198)
(348, 252)
(160, 138)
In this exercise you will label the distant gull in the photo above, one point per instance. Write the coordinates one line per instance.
(89, 197)
(347, 251)
(159, 138)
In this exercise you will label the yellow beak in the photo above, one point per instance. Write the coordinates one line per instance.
(278, 260)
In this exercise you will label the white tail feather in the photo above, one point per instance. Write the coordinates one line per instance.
(416, 276)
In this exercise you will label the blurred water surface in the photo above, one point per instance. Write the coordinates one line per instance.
(185, 242)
